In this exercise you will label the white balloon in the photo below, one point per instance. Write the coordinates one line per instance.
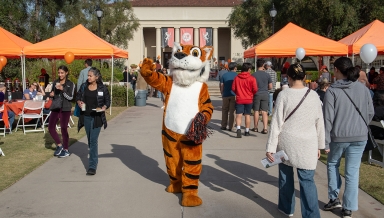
(300, 53)
(368, 53)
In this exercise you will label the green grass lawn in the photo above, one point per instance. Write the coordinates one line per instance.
(371, 176)
(24, 153)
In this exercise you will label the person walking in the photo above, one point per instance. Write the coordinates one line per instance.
(347, 110)
(94, 97)
(125, 75)
(64, 90)
(273, 75)
(324, 74)
(244, 86)
(300, 139)
(261, 99)
(133, 78)
(84, 73)
(229, 101)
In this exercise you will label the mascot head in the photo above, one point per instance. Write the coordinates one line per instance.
(190, 63)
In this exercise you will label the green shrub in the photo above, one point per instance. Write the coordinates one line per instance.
(120, 96)
(33, 67)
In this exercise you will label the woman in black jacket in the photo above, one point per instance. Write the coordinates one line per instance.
(96, 98)
(62, 89)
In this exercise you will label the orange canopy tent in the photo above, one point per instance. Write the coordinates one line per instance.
(371, 33)
(81, 42)
(78, 40)
(285, 42)
(11, 46)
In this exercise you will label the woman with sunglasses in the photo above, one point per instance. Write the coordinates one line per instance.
(33, 90)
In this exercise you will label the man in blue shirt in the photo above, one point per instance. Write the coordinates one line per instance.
(84, 73)
(229, 100)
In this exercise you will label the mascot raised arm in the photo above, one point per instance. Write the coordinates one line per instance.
(187, 111)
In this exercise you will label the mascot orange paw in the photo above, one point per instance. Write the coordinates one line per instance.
(174, 188)
(147, 67)
(191, 200)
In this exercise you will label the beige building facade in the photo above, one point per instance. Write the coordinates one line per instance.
(146, 42)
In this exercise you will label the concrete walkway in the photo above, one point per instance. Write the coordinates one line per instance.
(131, 177)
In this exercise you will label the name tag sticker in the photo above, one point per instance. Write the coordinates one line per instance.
(100, 93)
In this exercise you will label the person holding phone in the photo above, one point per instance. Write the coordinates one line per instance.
(93, 97)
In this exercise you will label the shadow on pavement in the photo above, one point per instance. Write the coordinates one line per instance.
(80, 149)
(218, 181)
(249, 175)
(135, 160)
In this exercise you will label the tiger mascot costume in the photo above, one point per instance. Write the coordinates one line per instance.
(186, 95)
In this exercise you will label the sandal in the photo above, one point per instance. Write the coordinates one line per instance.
(265, 131)
(255, 129)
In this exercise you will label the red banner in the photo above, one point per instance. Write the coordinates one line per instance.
(167, 37)
(205, 37)
(186, 36)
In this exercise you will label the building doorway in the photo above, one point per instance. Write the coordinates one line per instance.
(167, 56)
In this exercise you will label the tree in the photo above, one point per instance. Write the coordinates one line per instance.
(334, 19)
(51, 17)
(37, 20)
(250, 22)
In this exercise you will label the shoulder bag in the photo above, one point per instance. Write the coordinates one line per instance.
(57, 101)
(371, 143)
(294, 110)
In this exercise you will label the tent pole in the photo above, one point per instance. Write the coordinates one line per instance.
(23, 72)
(110, 108)
(353, 59)
(127, 89)
(255, 62)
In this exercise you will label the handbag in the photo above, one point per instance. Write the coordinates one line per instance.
(57, 103)
(294, 110)
(371, 143)
(77, 110)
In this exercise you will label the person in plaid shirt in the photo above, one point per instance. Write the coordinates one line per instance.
(272, 73)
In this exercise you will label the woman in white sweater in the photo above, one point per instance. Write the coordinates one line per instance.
(300, 134)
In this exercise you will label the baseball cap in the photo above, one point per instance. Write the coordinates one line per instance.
(324, 67)
(268, 63)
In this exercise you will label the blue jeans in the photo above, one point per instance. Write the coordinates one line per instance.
(93, 137)
(353, 153)
(270, 104)
(11, 118)
(308, 191)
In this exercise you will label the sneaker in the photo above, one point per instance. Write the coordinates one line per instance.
(346, 213)
(162, 107)
(291, 214)
(246, 134)
(332, 204)
(238, 133)
(64, 153)
(91, 172)
(58, 150)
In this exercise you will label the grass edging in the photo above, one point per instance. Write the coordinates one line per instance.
(371, 175)
(25, 153)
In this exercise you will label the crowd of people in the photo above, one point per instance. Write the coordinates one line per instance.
(327, 126)
(135, 81)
